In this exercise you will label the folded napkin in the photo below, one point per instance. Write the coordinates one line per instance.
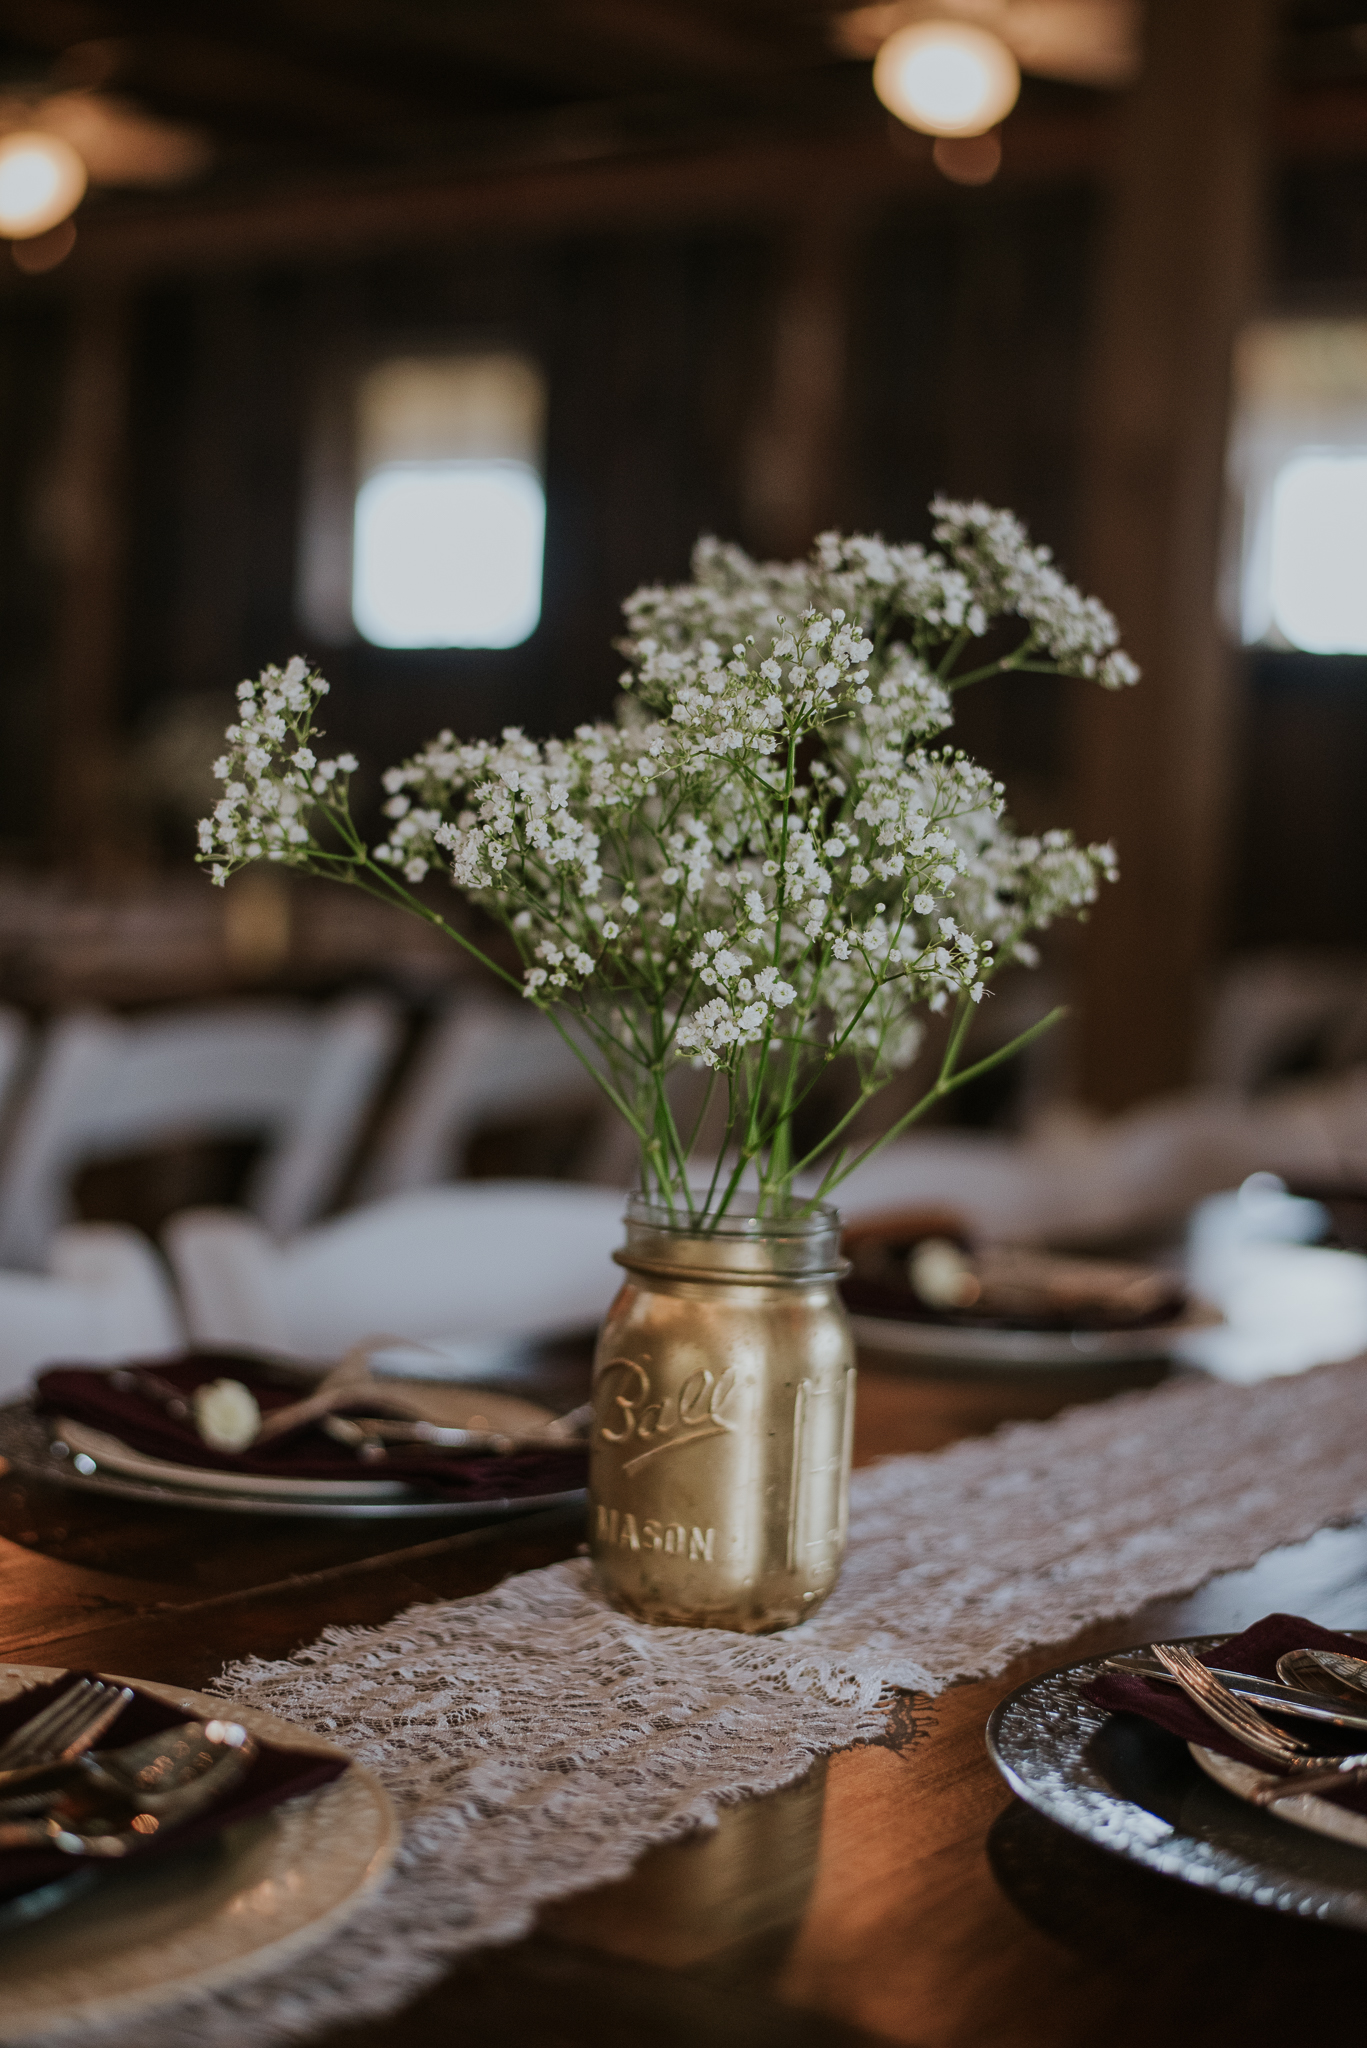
(274, 1776)
(920, 1267)
(1255, 1653)
(88, 1394)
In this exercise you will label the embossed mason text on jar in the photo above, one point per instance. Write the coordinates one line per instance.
(723, 1412)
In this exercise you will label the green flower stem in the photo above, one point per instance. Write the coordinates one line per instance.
(376, 881)
(721, 1149)
(701, 1117)
(866, 1093)
(666, 1128)
(1004, 666)
(952, 653)
(946, 1085)
(368, 876)
(595, 1073)
(963, 1017)
(692, 799)
(748, 1142)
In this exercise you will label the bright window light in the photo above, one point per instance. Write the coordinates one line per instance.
(449, 554)
(1318, 552)
(425, 518)
(1296, 562)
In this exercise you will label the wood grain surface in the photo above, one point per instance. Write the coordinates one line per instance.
(898, 1893)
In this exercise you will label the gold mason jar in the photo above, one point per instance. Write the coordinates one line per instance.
(723, 1393)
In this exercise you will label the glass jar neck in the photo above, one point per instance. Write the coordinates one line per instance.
(801, 1245)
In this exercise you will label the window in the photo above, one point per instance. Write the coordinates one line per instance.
(1317, 552)
(1299, 474)
(426, 512)
(448, 554)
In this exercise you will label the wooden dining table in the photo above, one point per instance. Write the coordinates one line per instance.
(898, 1893)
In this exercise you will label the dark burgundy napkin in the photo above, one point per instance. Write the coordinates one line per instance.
(274, 1776)
(88, 1394)
(866, 1294)
(1255, 1653)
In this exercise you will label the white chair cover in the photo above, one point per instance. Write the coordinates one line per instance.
(1077, 1179)
(479, 1260)
(1278, 1008)
(482, 1059)
(104, 1297)
(302, 1076)
(14, 1039)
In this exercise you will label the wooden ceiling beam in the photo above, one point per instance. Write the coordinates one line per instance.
(222, 84)
(1323, 122)
(52, 25)
(228, 86)
(685, 40)
(537, 53)
(354, 216)
(405, 83)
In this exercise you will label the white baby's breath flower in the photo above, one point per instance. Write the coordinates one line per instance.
(768, 854)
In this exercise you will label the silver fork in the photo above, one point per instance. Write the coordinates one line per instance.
(66, 1727)
(1307, 1773)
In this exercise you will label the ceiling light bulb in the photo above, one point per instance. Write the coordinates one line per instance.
(42, 180)
(947, 77)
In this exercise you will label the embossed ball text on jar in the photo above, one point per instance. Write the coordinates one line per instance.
(723, 1417)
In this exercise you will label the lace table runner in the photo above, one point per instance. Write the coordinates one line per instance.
(537, 1743)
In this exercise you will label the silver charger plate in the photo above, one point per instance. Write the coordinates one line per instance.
(1133, 1789)
(26, 1443)
(458, 1407)
(255, 1899)
(988, 1348)
(110, 1455)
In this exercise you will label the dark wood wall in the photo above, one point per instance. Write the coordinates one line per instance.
(971, 337)
(649, 351)
(967, 328)
(1299, 865)
(32, 342)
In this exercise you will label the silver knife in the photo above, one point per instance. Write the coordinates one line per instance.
(1263, 1692)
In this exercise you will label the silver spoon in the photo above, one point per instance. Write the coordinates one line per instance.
(1325, 1671)
(107, 1805)
(369, 1435)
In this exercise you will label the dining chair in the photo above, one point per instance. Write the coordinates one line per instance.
(104, 1296)
(1070, 1178)
(473, 1261)
(14, 1044)
(1279, 1012)
(301, 1076)
(1075, 1178)
(482, 1060)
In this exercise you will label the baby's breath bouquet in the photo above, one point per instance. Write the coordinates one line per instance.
(769, 859)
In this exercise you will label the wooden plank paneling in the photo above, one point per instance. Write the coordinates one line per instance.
(1178, 278)
(89, 526)
(792, 470)
(352, 216)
